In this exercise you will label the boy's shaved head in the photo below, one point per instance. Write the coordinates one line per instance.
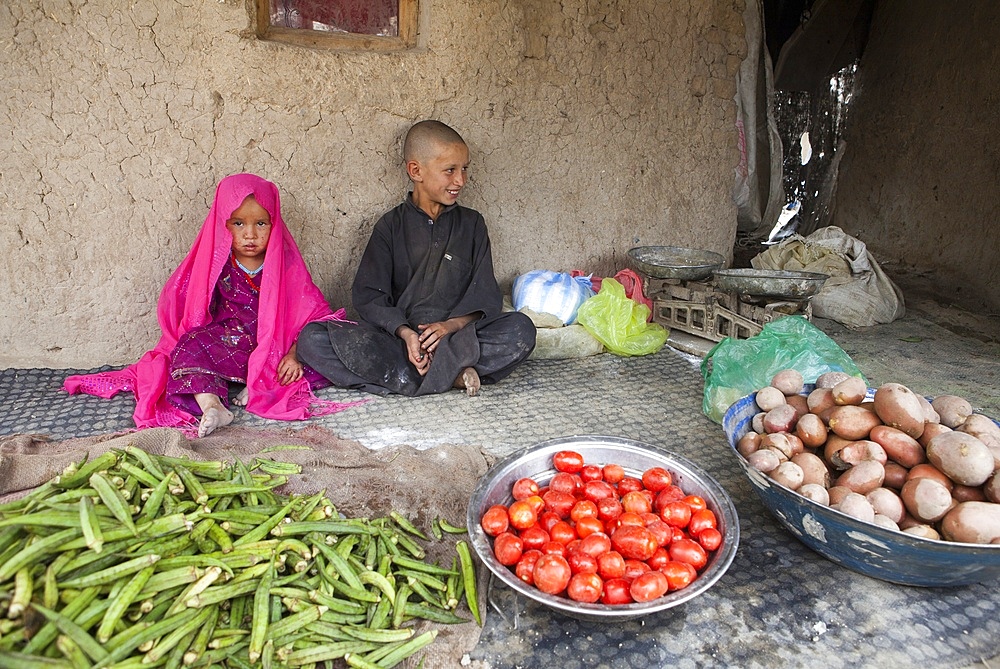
(424, 138)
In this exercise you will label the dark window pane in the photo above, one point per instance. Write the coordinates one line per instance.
(365, 17)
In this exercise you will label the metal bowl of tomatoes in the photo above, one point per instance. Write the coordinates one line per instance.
(634, 458)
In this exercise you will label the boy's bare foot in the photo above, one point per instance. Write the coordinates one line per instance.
(241, 399)
(468, 379)
(214, 417)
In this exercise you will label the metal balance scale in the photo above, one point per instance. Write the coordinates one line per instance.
(701, 303)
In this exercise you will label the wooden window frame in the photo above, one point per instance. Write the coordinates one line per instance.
(406, 39)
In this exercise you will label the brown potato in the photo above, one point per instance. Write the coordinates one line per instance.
(895, 475)
(748, 443)
(788, 474)
(851, 390)
(837, 494)
(800, 404)
(859, 450)
(780, 419)
(832, 448)
(856, 506)
(811, 430)
(927, 470)
(986, 431)
(830, 379)
(780, 441)
(932, 430)
(757, 422)
(885, 522)
(952, 409)
(898, 445)
(820, 400)
(926, 499)
(925, 531)
(788, 381)
(899, 407)
(965, 493)
(815, 492)
(887, 503)
(768, 398)
(814, 470)
(852, 422)
(962, 457)
(973, 523)
(930, 415)
(991, 489)
(863, 477)
(765, 460)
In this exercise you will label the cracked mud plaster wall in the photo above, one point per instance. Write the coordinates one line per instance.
(594, 126)
(919, 179)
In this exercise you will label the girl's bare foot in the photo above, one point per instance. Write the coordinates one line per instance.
(241, 399)
(468, 379)
(213, 413)
(215, 417)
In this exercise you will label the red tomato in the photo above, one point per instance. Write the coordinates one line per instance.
(580, 562)
(663, 533)
(571, 484)
(616, 591)
(554, 548)
(656, 479)
(660, 557)
(649, 586)
(710, 538)
(585, 587)
(598, 490)
(629, 518)
(546, 519)
(551, 574)
(591, 473)
(634, 542)
(669, 494)
(678, 534)
(572, 546)
(563, 532)
(689, 551)
(676, 514)
(559, 502)
(613, 473)
(567, 461)
(537, 503)
(609, 509)
(522, 515)
(495, 521)
(636, 502)
(610, 565)
(635, 568)
(695, 502)
(596, 544)
(679, 574)
(588, 526)
(649, 517)
(534, 538)
(526, 565)
(702, 519)
(524, 488)
(629, 484)
(508, 548)
(584, 508)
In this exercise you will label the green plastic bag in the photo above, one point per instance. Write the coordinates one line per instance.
(735, 368)
(619, 322)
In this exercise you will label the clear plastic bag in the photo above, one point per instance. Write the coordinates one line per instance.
(735, 368)
(619, 322)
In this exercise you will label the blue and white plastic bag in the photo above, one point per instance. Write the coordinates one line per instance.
(556, 293)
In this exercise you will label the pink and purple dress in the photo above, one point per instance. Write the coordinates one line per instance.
(216, 328)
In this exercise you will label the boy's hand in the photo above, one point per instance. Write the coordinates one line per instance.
(418, 355)
(289, 368)
(431, 334)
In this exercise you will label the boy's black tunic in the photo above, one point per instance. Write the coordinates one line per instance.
(416, 271)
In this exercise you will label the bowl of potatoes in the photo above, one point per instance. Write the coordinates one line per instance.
(883, 481)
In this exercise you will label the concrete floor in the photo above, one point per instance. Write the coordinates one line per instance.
(779, 604)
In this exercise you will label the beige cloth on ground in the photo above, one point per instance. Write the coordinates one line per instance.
(420, 484)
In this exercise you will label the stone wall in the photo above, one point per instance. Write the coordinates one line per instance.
(918, 182)
(594, 126)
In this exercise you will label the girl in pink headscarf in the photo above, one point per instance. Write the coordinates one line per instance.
(230, 313)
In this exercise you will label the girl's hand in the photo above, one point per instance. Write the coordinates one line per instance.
(289, 368)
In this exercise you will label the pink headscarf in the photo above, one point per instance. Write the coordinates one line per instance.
(288, 300)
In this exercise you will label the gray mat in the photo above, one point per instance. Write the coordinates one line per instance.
(779, 604)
